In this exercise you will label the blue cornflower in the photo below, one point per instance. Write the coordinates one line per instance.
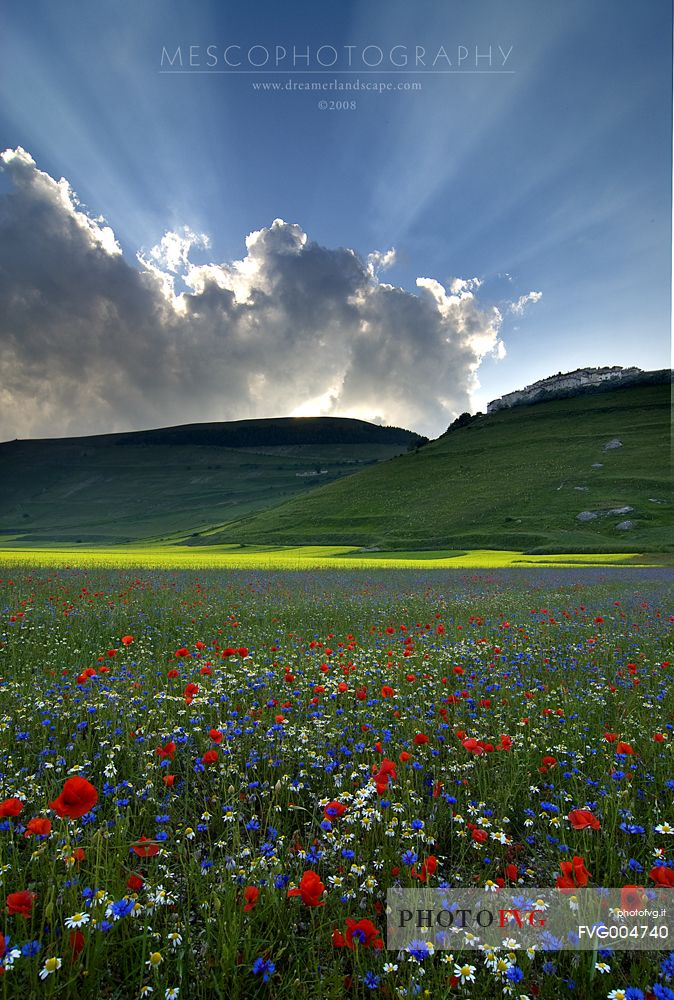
(409, 858)
(371, 981)
(30, 949)
(634, 993)
(263, 967)
(663, 992)
(514, 974)
(632, 828)
(418, 950)
(667, 965)
(121, 908)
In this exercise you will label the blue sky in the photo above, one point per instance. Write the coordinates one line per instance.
(553, 177)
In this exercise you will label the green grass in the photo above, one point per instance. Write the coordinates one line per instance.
(513, 480)
(174, 484)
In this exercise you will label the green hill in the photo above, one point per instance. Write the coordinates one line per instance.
(514, 479)
(176, 481)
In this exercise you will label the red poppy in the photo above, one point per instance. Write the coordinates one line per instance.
(77, 798)
(581, 819)
(168, 779)
(624, 748)
(210, 757)
(511, 872)
(242, 651)
(662, 876)
(173, 673)
(20, 903)
(387, 691)
(78, 854)
(250, 894)
(168, 750)
(428, 868)
(632, 897)
(215, 735)
(473, 746)
(135, 882)
(189, 693)
(3, 948)
(334, 810)
(387, 771)
(480, 836)
(358, 932)
(145, 848)
(420, 739)
(126, 640)
(76, 942)
(610, 737)
(10, 807)
(574, 874)
(40, 827)
(310, 889)
(182, 652)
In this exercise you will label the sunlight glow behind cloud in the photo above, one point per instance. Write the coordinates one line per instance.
(93, 343)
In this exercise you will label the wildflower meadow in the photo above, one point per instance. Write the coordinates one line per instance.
(209, 780)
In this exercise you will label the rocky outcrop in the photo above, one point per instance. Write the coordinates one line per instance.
(562, 385)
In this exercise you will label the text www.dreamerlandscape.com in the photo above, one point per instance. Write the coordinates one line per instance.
(336, 86)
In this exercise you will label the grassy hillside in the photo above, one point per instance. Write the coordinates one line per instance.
(175, 481)
(516, 479)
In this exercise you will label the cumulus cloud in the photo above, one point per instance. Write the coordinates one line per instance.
(523, 301)
(92, 342)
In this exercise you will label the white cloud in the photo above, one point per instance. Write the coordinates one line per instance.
(172, 251)
(523, 301)
(380, 260)
(93, 343)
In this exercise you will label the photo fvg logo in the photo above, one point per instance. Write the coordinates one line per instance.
(468, 919)
(542, 919)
